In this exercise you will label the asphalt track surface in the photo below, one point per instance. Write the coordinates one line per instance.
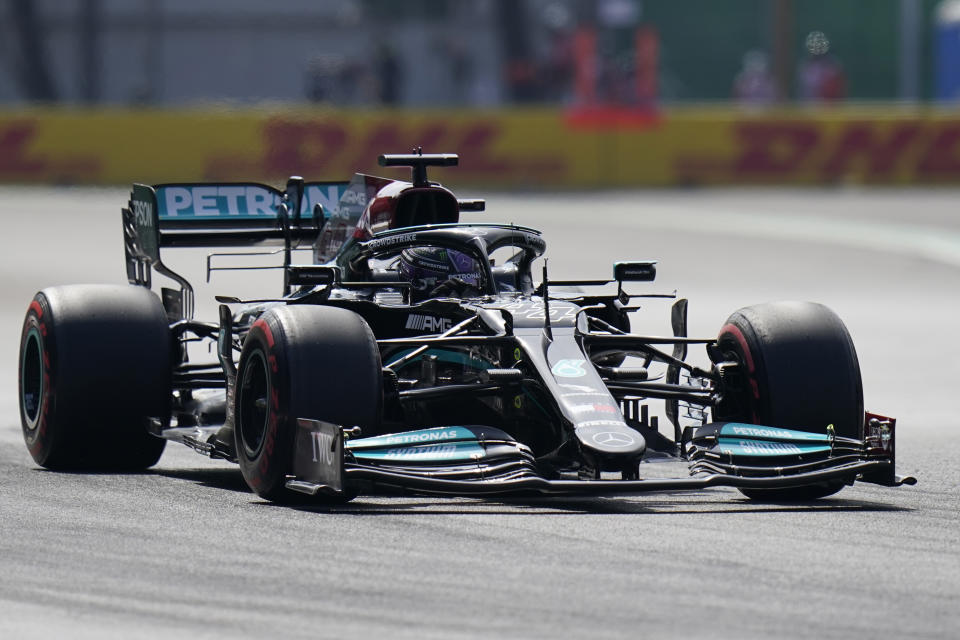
(186, 549)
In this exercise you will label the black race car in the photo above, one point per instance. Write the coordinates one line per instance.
(418, 352)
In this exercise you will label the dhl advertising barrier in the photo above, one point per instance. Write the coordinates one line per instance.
(526, 148)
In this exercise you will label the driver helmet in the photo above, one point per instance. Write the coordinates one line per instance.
(429, 268)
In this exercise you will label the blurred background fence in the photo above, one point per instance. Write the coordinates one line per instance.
(532, 93)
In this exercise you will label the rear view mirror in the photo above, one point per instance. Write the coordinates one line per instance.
(635, 271)
(472, 205)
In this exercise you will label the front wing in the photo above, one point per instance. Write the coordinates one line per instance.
(483, 461)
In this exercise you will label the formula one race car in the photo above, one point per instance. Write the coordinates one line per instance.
(417, 352)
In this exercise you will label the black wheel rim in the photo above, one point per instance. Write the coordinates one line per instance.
(252, 400)
(31, 379)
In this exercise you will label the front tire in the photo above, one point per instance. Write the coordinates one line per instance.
(300, 362)
(95, 365)
(800, 371)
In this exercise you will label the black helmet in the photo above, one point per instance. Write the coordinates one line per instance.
(437, 271)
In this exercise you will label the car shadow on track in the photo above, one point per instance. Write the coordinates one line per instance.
(229, 479)
(400, 502)
(685, 505)
(583, 506)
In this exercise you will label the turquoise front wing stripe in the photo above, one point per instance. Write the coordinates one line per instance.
(760, 448)
(445, 452)
(423, 436)
(740, 430)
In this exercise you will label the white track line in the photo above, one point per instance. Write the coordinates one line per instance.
(939, 245)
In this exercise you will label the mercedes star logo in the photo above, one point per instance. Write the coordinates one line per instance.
(613, 439)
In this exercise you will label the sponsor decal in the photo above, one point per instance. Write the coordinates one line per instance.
(433, 324)
(750, 447)
(207, 202)
(427, 452)
(424, 436)
(21, 157)
(326, 195)
(715, 145)
(756, 431)
(354, 197)
(323, 449)
(534, 311)
(790, 150)
(759, 432)
(427, 263)
(601, 423)
(413, 437)
(557, 313)
(435, 451)
(343, 142)
(614, 439)
(583, 394)
(569, 368)
(595, 407)
(143, 213)
(581, 390)
(759, 448)
(318, 453)
(383, 243)
(211, 201)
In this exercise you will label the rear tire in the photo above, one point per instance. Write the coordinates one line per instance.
(95, 364)
(801, 372)
(301, 362)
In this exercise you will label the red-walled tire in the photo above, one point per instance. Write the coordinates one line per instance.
(801, 373)
(95, 365)
(300, 362)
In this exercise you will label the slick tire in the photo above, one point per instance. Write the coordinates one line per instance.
(94, 366)
(801, 372)
(300, 362)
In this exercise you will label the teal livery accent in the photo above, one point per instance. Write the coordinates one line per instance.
(217, 201)
(444, 355)
(756, 431)
(442, 451)
(241, 201)
(760, 448)
(440, 435)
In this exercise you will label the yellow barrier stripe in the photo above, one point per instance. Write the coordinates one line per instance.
(540, 148)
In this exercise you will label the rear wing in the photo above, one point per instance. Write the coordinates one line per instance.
(219, 215)
(245, 214)
(228, 214)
